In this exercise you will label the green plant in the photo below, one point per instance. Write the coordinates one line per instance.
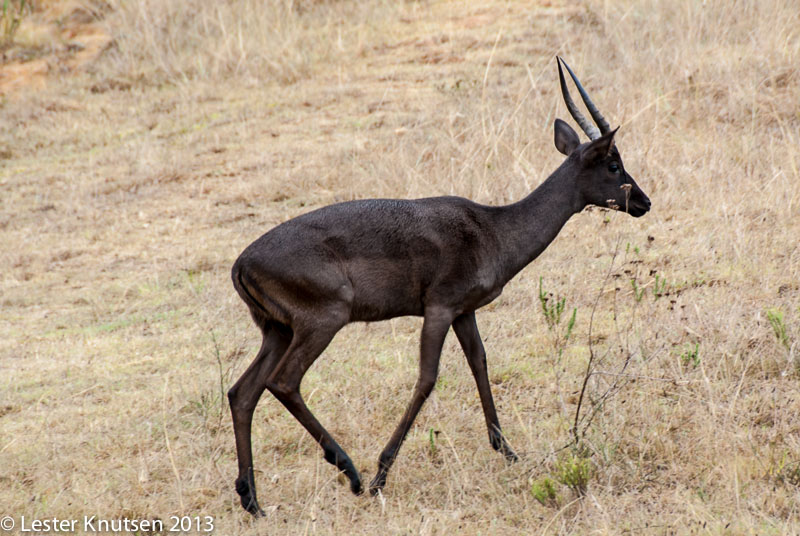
(775, 317)
(553, 308)
(691, 355)
(552, 311)
(660, 287)
(544, 491)
(575, 471)
(783, 471)
(11, 15)
(638, 292)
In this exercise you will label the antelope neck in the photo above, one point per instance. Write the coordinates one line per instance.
(525, 228)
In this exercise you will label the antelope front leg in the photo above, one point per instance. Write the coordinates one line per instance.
(466, 330)
(434, 329)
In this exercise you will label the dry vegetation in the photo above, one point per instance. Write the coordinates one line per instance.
(129, 186)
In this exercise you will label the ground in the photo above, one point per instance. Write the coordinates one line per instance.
(132, 177)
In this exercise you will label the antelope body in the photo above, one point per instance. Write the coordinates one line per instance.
(441, 258)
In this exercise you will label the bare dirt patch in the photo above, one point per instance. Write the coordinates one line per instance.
(58, 37)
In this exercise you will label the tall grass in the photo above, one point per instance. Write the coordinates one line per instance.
(273, 41)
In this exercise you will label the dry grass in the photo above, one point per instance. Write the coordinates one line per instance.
(128, 190)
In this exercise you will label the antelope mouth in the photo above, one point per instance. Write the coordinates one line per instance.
(637, 209)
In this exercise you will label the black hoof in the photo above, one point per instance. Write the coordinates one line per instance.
(376, 486)
(350, 472)
(345, 465)
(356, 487)
(355, 479)
(257, 512)
(510, 455)
(247, 495)
(499, 444)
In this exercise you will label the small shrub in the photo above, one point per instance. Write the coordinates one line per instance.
(544, 491)
(691, 355)
(638, 292)
(575, 472)
(552, 311)
(660, 287)
(775, 317)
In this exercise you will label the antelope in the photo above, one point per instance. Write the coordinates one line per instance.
(441, 258)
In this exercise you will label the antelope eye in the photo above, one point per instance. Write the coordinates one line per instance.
(613, 167)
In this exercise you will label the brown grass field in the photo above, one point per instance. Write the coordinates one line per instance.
(131, 180)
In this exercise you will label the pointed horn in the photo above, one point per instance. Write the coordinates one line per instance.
(595, 113)
(576, 114)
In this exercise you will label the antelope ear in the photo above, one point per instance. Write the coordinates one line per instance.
(599, 148)
(565, 137)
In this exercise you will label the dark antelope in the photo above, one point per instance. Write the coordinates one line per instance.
(441, 258)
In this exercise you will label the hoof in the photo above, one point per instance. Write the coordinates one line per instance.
(510, 455)
(355, 479)
(345, 465)
(376, 486)
(247, 496)
(499, 444)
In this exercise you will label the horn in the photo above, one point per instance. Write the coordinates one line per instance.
(587, 127)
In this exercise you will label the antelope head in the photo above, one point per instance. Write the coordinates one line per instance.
(602, 177)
